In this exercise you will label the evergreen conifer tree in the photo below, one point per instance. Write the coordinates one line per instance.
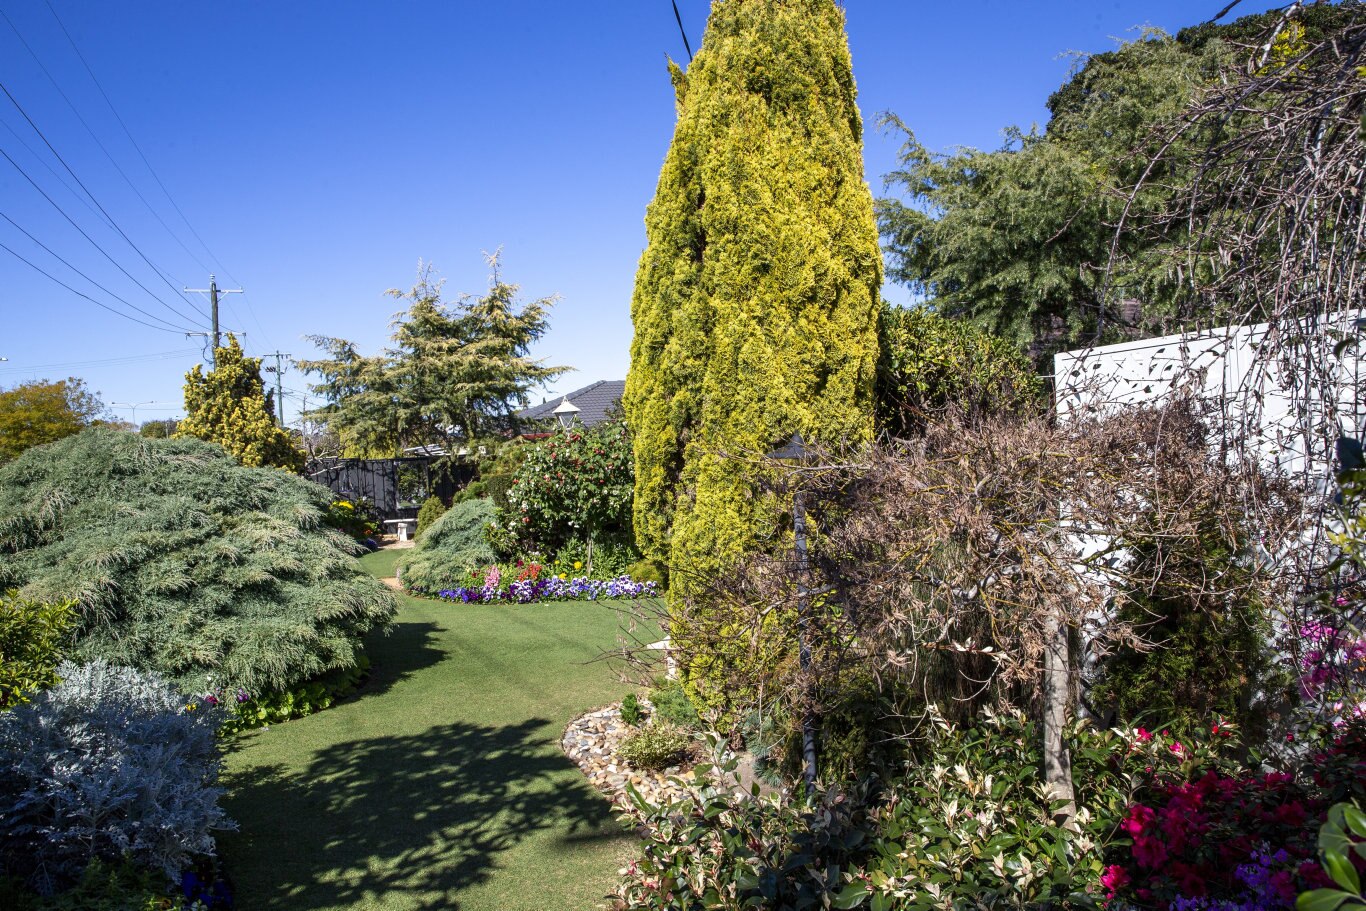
(228, 406)
(756, 300)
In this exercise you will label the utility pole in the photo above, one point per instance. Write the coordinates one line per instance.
(213, 291)
(279, 372)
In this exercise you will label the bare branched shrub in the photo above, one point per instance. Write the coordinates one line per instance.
(940, 563)
(1266, 173)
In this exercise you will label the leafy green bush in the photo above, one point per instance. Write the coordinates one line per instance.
(477, 489)
(867, 727)
(498, 486)
(672, 705)
(299, 702)
(453, 545)
(117, 886)
(631, 712)
(432, 509)
(1342, 836)
(716, 849)
(111, 763)
(607, 558)
(495, 474)
(183, 562)
(649, 571)
(655, 747)
(969, 828)
(1209, 656)
(31, 638)
(931, 363)
(355, 518)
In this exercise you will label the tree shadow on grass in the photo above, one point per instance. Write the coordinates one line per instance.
(407, 821)
(402, 652)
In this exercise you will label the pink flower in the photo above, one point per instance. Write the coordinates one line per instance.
(1138, 819)
(1143, 735)
(1113, 879)
(1176, 747)
(1150, 852)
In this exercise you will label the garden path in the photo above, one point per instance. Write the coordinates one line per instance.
(442, 785)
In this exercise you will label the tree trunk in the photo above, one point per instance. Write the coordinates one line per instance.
(1057, 762)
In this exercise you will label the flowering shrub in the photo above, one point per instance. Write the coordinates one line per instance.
(1214, 838)
(967, 829)
(1332, 668)
(111, 763)
(547, 588)
(577, 485)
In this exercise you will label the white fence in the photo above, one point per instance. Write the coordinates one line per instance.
(1286, 394)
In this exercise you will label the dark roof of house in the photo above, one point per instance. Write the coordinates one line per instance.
(594, 402)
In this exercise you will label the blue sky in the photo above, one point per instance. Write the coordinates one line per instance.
(319, 150)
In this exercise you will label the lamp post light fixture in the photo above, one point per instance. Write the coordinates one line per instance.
(134, 406)
(565, 413)
(797, 452)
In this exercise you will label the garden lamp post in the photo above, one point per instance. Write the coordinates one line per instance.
(796, 451)
(565, 413)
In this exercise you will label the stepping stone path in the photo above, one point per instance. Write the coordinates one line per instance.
(591, 741)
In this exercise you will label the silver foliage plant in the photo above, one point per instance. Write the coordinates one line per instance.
(110, 763)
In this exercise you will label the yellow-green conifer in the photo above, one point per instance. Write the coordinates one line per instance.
(227, 406)
(756, 300)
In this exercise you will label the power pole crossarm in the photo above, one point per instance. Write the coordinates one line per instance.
(279, 371)
(213, 291)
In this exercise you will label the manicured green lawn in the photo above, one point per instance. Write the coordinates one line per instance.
(441, 785)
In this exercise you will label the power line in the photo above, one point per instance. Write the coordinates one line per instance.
(129, 134)
(102, 148)
(92, 241)
(105, 362)
(279, 371)
(251, 311)
(681, 31)
(92, 300)
(59, 259)
(20, 108)
(51, 170)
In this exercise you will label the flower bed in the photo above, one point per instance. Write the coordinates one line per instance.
(1222, 838)
(531, 588)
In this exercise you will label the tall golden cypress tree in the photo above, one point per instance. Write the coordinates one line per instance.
(756, 300)
(227, 406)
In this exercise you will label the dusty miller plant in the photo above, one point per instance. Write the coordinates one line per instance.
(109, 764)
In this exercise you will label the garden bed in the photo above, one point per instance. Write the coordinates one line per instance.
(592, 740)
